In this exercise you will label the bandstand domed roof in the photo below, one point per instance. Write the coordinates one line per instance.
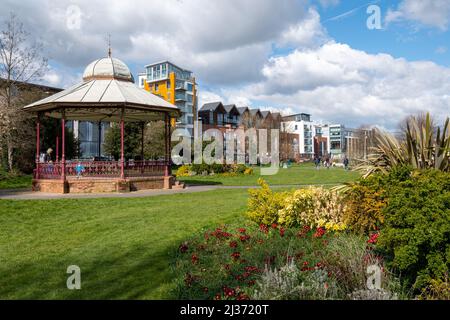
(107, 68)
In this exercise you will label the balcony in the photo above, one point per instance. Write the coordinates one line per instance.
(180, 97)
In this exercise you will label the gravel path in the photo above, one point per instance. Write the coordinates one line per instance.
(27, 194)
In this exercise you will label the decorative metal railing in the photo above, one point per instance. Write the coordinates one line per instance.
(101, 169)
(49, 170)
(144, 168)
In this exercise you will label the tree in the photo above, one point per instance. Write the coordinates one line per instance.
(132, 140)
(20, 62)
(154, 140)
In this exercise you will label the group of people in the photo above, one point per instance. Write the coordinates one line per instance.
(318, 161)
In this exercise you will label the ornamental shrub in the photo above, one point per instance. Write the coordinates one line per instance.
(264, 204)
(183, 171)
(365, 202)
(314, 207)
(248, 171)
(215, 168)
(436, 290)
(416, 232)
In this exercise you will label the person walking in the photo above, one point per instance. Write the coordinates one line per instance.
(346, 162)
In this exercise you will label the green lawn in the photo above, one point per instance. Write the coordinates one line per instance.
(123, 246)
(15, 182)
(303, 174)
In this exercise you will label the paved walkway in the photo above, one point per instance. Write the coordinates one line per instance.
(27, 194)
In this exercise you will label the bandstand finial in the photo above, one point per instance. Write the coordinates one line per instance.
(109, 45)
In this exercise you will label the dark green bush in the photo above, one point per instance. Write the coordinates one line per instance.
(416, 232)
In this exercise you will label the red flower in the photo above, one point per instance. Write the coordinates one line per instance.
(282, 231)
(236, 255)
(319, 232)
(302, 233)
(183, 247)
(226, 267)
(251, 269)
(244, 238)
(264, 228)
(274, 226)
(229, 292)
(218, 297)
(233, 244)
(219, 234)
(194, 258)
(189, 279)
(242, 230)
(373, 238)
(251, 283)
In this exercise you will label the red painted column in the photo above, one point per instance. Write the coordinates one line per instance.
(122, 156)
(63, 147)
(57, 148)
(169, 144)
(166, 139)
(38, 143)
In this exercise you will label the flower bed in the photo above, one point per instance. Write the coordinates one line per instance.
(272, 262)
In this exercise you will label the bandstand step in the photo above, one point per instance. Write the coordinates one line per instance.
(178, 185)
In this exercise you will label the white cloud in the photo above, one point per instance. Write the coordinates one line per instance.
(431, 13)
(224, 41)
(208, 96)
(306, 33)
(228, 44)
(341, 84)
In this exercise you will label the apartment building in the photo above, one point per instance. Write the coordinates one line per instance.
(176, 85)
(302, 126)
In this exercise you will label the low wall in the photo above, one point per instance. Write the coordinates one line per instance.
(86, 185)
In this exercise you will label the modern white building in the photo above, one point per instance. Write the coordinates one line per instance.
(301, 125)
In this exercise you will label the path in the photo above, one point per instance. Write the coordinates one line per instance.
(27, 194)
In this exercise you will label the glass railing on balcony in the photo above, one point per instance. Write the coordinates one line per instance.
(180, 96)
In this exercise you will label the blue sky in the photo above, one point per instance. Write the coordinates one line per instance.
(314, 56)
(406, 39)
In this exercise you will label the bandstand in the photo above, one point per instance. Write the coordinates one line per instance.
(106, 94)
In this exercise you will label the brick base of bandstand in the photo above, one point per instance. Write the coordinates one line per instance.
(104, 185)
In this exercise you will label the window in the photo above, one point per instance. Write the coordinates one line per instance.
(219, 119)
(156, 87)
(335, 145)
(296, 127)
(164, 70)
(211, 117)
